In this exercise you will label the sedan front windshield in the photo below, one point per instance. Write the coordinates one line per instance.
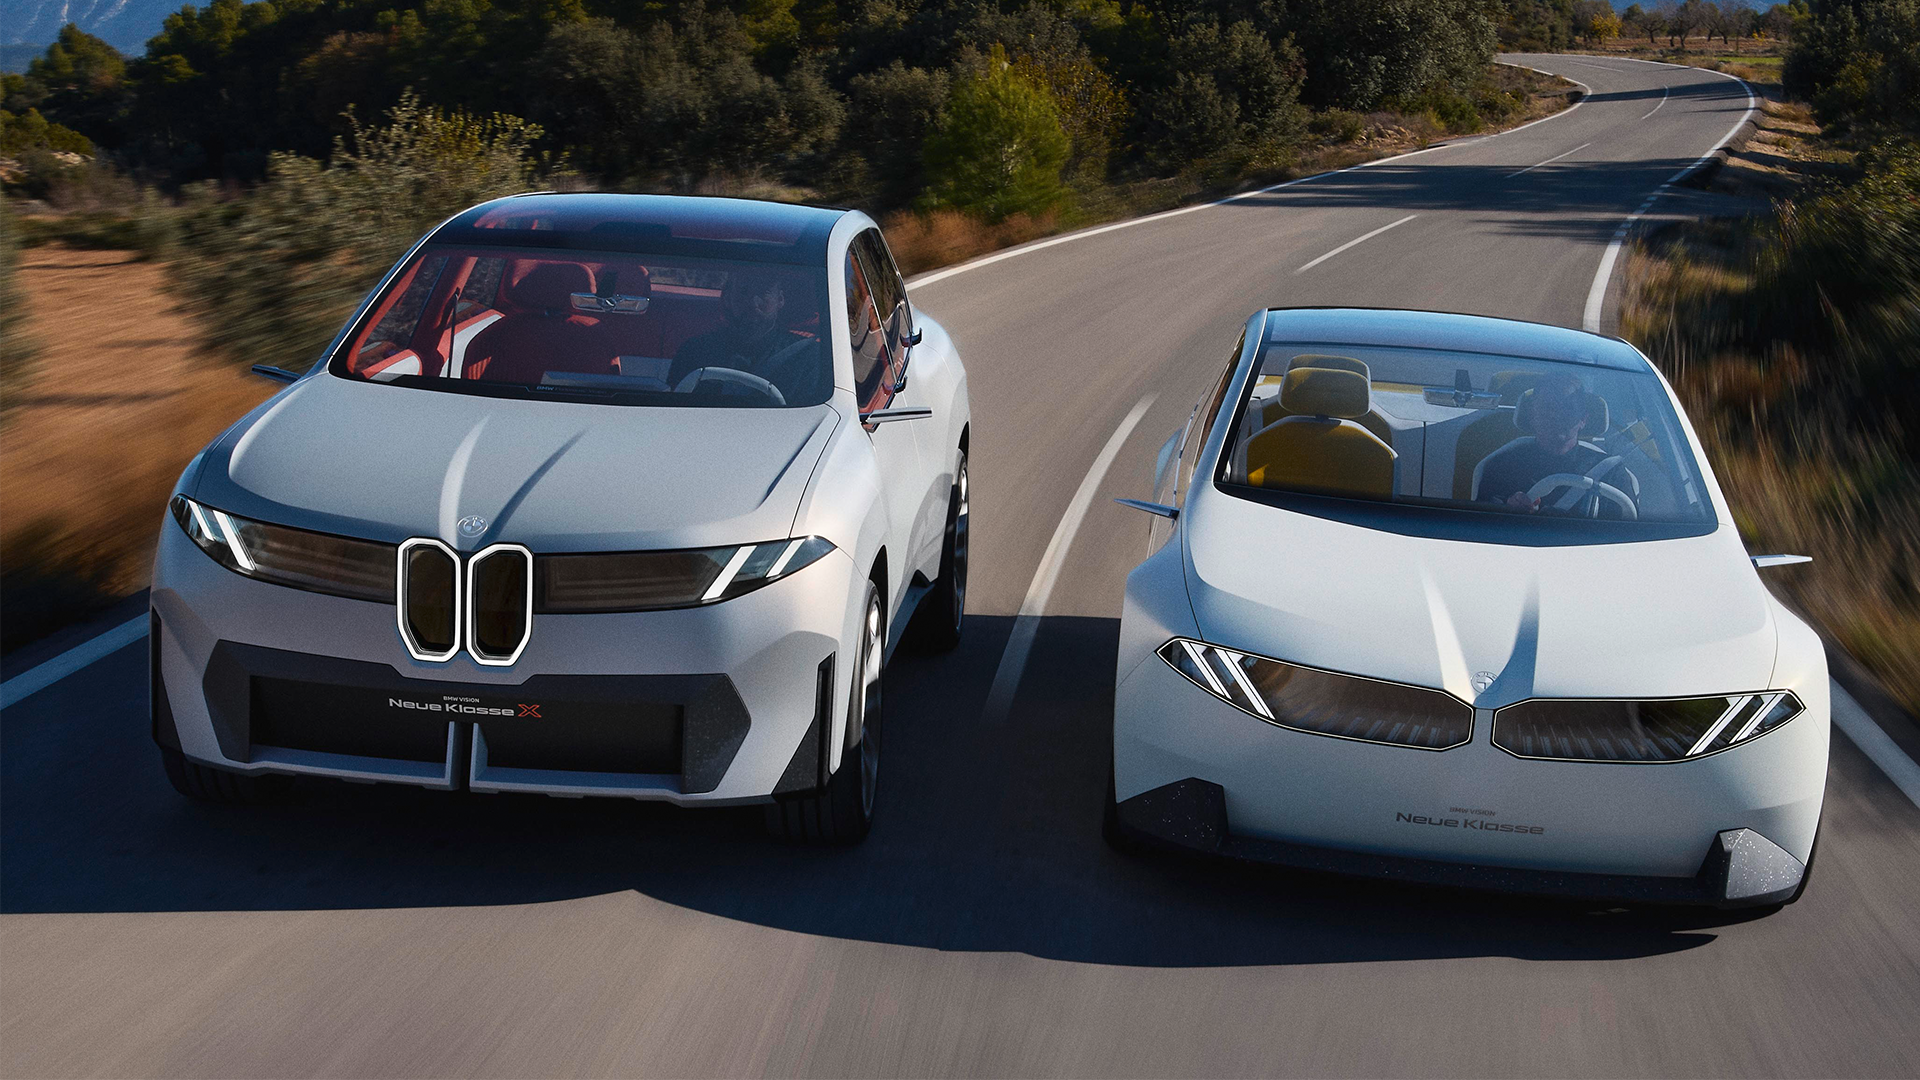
(1504, 435)
(615, 327)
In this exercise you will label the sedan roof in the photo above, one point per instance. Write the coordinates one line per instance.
(1449, 331)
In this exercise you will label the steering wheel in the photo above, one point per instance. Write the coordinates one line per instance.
(1588, 487)
(729, 375)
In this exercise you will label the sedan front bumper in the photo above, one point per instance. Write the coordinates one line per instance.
(1737, 827)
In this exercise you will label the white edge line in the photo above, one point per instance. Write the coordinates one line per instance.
(1355, 242)
(1879, 747)
(1597, 294)
(1013, 660)
(933, 276)
(42, 675)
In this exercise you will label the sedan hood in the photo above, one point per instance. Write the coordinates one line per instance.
(387, 463)
(1658, 618)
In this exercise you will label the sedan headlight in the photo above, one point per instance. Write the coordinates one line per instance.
(653, 580)
(1323, 702)
(317, 562)
(1673, 729)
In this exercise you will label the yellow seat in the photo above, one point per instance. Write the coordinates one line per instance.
(1274, 409)
(1317, 447)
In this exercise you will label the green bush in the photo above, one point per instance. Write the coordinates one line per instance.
(1339, 125)
(999, 148)
(271, 275)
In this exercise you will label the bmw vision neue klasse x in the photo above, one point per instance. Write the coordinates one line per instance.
(1456, 600)
(605, 495)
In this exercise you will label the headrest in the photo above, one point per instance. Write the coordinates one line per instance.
(626, 279)
(1511, 384)
(1310, 391)
(550, 285)
(1598, 416)
(1333, 363)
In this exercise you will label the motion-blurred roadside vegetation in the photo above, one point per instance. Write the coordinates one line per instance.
(279, 154)
(1795, 337)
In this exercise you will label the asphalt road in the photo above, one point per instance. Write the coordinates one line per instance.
(984, 928)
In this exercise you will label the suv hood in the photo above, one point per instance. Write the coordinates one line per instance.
(387, 463)
(1657, 618)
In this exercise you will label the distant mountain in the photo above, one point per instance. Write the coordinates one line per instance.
(125, 24)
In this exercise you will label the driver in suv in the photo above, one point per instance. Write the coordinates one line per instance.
(751, 339)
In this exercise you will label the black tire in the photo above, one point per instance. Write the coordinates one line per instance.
(842, 813)
(203, 783)
(937, 623)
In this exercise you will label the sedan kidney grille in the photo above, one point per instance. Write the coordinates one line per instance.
(1324, 702)
(1671, 729)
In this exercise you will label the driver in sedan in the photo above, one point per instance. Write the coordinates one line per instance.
(1557, 413)
(751, 339)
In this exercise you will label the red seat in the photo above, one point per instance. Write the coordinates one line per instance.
(541, 332)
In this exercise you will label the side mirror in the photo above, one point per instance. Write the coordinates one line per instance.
(888, 416)
(277, 374)
(1156, 509)
(915, 336)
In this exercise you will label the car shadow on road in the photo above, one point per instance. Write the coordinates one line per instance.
(988, 840)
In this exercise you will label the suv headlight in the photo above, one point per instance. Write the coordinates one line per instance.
(1673, 729)
(653, 580)
(317, 562)
(1323, 702)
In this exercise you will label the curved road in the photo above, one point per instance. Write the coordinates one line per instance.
(984, 929)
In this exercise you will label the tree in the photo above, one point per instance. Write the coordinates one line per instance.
(999, 148)
(81, 83)
(1233, 89)
(1595, 21)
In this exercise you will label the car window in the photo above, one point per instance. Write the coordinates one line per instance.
(872, 361)
(1508, 436)
(609, 327)
(889, 292)
(1201, 422)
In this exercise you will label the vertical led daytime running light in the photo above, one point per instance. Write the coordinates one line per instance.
(731, 571)
(232, 535)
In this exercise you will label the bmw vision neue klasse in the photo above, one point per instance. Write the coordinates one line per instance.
(1456, 600)
(605, 495)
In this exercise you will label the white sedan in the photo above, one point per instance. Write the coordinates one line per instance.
(615, 495)
(1456, 600)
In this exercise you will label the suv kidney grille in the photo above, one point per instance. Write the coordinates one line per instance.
(429, 592)
(499, 603)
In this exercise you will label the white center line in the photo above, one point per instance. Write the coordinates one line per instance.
(1664, 91)
(1597, 294)
(1550, 160)
(1013, 661)
(1355, 241)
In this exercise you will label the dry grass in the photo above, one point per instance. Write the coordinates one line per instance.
(943, 237)
(119, 400)
(1800, 479)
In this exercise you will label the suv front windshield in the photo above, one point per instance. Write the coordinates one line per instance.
(614, 327)
(1500, 435)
